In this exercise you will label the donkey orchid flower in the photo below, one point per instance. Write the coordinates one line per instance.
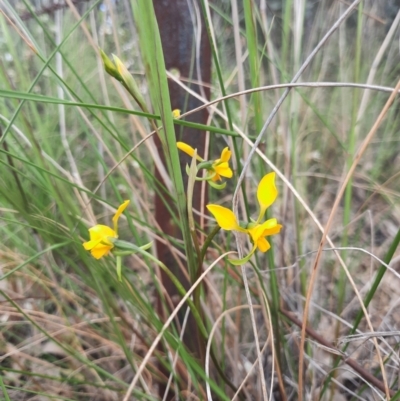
(218, 168)
(99, 244)
(257, 231)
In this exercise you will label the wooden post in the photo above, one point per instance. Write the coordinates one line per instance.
(178, 36)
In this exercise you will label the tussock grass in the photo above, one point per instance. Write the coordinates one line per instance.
(74, 145)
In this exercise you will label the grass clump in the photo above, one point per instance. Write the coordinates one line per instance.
(295, 302)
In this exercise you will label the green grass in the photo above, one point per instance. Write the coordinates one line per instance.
(74, 145)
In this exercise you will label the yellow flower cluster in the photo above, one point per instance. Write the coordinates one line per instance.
(218, 168)
(257, 231)
(102, 237)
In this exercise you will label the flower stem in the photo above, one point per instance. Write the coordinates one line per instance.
(192, 228)
(207, 242)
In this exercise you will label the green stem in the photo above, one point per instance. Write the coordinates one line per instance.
(208, 241)
(192, 228)
(6, 397)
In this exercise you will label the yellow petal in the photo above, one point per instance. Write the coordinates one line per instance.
(224, 170)
(226, 219)
(117, 215)
(272, 231)
(100, 251)
(99, 232)
(91, 244)
(120, 210)
(266, 193)
(215, 176)
(263, 245)
(269, 227)
(98, 248)
(270, 223)
(225, 155)
(184, 147)
(255, 233)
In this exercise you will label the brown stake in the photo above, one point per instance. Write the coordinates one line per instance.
(179, 30)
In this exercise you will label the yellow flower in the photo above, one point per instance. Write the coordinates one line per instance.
(260, 231)
(176, 113)
(99, 244)
(226, 219)
(219, 167)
